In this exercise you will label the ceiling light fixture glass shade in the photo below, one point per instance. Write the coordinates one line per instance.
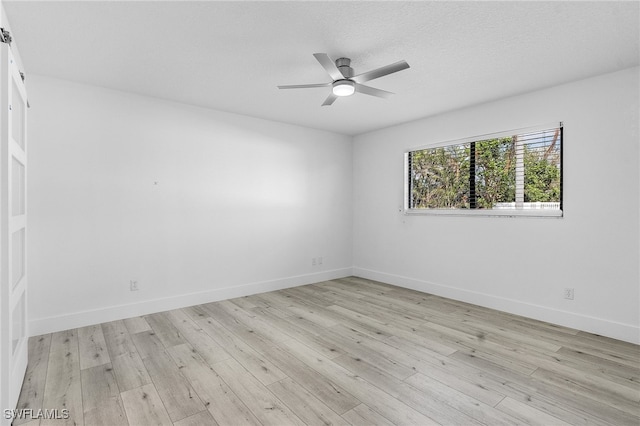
(344, 88)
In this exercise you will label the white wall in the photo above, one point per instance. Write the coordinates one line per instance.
(241, 205)
(515, 264)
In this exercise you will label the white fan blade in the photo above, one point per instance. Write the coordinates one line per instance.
(304, 86)
(330, 99)
(361, 88)
(329, 65)
(381, 72)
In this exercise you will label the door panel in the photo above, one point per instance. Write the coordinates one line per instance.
(13, 230)
(17, 115)
(17, 257)
(18, 187)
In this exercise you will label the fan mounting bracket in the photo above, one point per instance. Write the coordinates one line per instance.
(344, 66)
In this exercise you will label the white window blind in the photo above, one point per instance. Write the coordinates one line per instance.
(517, 173)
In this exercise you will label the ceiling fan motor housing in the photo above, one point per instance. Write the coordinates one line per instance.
(344, 65)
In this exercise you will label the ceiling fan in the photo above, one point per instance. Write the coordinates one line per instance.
(345, 83)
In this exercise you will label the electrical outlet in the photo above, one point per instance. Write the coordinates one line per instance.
(313, 261)
(568, 293)
(133, 285)
(320, 261)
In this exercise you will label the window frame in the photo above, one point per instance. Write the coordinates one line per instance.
(535, 213)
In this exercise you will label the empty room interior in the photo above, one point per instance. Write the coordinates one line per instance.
(317, 213)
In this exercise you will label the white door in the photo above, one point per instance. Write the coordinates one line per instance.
(13, 229)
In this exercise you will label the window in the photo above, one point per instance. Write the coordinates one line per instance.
(516, 173)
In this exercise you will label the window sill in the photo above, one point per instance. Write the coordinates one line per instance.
(485, 212)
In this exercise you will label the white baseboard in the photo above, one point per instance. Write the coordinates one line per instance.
(111, 313)
(603, 327)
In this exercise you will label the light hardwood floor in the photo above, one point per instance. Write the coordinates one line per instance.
(347, 351)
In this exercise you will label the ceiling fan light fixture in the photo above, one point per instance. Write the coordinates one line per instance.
(344, 88)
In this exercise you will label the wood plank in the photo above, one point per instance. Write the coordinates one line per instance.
(306, 406)
(93, 348)
(101, 397)
(467, 382)
(559, 402)
(224, 405)
(338, 293)
(196, 312)
(198, 419)
(313, 340)
(127, 364)
(596, 389)
(62, 388)
(500, 358)
(117, 339)
(179, 398)
(147, 343)
(262, 403)
(363, 324)
(322, 387)
(168, 334)
(144, 407)
(384, 315)
(395, 410)
(360, 346)
(130, 371)
(256, 363)
(311, 314)
(624, 349)
(243, 302)
(607, 367)
(475, 409)
(238, 330)
(408, 333)
(207, 347)
(592, 375)
(605, 352)
(309, 294)
(35, 422)
(265, 304)
(472, 381)
(136, 325)
(251, 323)
(489, 329)
(399, 307)
(362, 286)
(430, 339)
(126, 361)
(436, 408)
(32, 392)
(539, 327)
(362, 415)
(277, 301)
(410, 362)
(331, 344)
(527, 414)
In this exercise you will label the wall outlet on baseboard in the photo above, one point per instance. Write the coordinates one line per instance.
(133, 285)
(568, 293)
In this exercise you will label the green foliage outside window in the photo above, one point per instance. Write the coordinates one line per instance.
(440, 178)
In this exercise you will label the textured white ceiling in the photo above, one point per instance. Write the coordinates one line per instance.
(231, 55)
